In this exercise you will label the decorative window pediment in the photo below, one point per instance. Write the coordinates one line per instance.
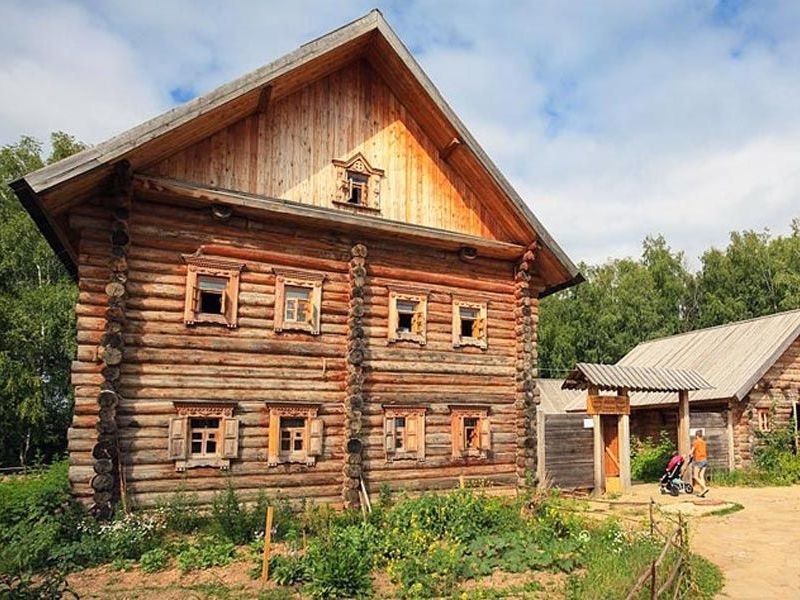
(359, 184)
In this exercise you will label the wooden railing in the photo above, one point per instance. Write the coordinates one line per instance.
(677, 540)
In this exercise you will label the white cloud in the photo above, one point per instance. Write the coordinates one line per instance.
(614, 119)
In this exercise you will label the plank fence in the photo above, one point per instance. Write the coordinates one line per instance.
(676, 539)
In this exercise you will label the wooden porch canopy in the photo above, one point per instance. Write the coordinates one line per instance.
(633, 379)
(611, 414)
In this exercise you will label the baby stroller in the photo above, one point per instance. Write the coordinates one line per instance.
(672, 481)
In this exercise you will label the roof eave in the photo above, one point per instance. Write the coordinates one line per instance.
(52, 233)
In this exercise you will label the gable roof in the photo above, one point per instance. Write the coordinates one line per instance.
(633, 378)
(46, 192)
(732, 357)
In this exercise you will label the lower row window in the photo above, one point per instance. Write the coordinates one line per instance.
(295, 435)
(207, 434)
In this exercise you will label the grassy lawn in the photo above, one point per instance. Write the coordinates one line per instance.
(462, 544)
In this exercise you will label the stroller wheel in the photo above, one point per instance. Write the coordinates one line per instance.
(688, 488)
(673, 490)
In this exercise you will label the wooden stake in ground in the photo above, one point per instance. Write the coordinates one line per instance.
(267, 545)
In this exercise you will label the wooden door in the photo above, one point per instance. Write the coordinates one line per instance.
(610, 445)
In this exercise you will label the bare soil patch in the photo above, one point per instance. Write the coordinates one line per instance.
(757, 548)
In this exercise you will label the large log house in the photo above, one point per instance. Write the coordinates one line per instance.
(311, 280)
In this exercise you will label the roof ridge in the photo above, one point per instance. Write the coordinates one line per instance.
(721, 326)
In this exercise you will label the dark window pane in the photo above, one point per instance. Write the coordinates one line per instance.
(197, 446)
(466, 327)
(404, 322)
(211, 447)
(358, 187)
(298, 443)
(211, 303)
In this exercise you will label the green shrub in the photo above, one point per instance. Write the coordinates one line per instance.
(288, 569)
(432, 573)
(649, 459)
(127, 537)
(414, 524)
(206, 553)
(340, 561)
(154, 560)
(233, 520)
(775, 462)
(122, 564)
(36, 516)
(181, 513)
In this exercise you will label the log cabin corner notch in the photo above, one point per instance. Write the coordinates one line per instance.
(327, 350)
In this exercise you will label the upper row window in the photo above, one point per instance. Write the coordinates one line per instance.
(212, 292)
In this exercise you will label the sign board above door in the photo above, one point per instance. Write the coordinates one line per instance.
(608, 405)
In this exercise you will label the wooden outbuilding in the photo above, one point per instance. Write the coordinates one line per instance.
(311, 281)
(754, 369)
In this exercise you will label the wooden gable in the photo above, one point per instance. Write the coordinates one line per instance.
(289, 149)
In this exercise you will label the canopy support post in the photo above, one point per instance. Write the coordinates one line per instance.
(683, 426)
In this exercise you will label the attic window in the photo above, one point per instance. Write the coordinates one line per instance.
(359, 184)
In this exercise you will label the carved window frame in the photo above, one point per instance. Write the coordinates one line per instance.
(303, 279)
(180, 431)
(419, 332)
(358, 164)
(198, 266)
(482, 340)
(313, 436)
(457, 415)
(415, 422)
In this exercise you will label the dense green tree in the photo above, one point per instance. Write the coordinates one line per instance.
(37, 330)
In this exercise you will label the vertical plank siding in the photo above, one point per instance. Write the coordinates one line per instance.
(287, 151)
(165, 360)
(569, 458)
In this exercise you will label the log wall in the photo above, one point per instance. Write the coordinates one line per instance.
(286, 151)
(778, 391)
(166, 360)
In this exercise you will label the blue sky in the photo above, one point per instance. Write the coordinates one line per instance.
(614, 119)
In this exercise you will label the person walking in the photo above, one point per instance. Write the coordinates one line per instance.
(699, 455)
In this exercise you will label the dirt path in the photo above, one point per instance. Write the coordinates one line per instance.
(757, 548)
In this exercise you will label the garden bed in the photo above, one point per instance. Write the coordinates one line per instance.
(462, 544)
